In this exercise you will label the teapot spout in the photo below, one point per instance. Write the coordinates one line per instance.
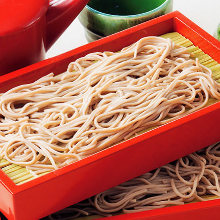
(60, 15)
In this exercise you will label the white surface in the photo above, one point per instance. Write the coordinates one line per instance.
(204, 13)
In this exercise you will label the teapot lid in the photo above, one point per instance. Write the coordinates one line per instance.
(19, 14)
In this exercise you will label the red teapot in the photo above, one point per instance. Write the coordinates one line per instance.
(28, 28)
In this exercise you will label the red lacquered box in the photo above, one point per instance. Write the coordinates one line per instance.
(71, 184)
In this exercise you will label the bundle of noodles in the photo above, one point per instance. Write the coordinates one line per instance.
(187, 179)
(102, 99)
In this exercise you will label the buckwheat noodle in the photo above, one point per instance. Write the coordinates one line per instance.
(190, 178)
(101, 99)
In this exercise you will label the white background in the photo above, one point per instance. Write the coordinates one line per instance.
(205, 13)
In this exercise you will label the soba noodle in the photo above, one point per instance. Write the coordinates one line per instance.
(102, 99)
(187, 179)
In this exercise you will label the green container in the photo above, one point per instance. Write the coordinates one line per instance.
(217, 33)
(101, 18)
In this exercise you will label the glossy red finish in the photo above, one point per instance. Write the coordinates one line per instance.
(17, 15)
(59, 17)
(123, 161)
(29, 27)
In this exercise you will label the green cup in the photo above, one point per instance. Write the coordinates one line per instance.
(101, 18)
(217, 33)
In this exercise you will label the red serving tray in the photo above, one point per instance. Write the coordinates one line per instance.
(71, 184)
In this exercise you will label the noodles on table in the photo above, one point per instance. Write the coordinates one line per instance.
(102, 99)
(191, 178)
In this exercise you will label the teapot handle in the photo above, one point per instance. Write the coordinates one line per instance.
(59, 16)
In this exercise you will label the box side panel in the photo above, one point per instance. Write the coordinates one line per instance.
(136, 159)
(6, 202)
